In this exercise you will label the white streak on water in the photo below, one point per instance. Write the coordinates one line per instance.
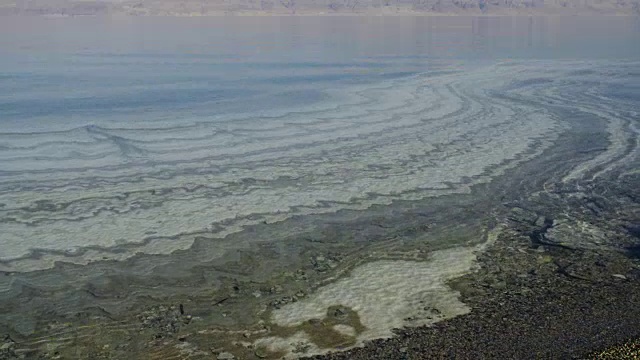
(80, 193)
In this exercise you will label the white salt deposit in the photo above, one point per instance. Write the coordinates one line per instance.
(117, 188)
(294, 346)
(385, 294)
(345, 330)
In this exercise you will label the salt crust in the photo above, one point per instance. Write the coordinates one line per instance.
(402, 139)
(345, 330)
(386, 294)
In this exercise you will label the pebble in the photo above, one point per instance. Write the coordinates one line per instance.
(620, 276)
(540, 221)
(225, 356)
(340, 313)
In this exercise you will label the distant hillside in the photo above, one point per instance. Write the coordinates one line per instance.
(328, 7)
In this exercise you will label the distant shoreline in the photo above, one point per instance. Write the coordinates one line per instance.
(322, 7)
(328, 8)
(308, 15)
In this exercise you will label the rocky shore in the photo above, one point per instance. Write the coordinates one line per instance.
(561, 280)
(540, 294)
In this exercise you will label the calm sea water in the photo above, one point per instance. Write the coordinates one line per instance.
(144, 132)
(148, 161)
(64, 73)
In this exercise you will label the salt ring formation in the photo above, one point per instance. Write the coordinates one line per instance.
(354, 211)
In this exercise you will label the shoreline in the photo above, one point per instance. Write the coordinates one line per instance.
(536, 297)
(568, 231)
(232, 14)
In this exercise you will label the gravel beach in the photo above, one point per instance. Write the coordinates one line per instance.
(539, 297)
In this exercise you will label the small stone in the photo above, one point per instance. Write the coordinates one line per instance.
(261, 353)
(403, 349)
(620, 276)
(340, 313)
(499, 285)
(225, 356)
(244, 344)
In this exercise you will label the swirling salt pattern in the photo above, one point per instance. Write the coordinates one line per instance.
(153, 186)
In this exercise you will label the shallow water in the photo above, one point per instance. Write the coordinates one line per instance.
(145, 160)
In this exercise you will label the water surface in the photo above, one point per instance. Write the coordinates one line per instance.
(145, 160)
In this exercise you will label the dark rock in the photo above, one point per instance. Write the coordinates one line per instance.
(340, 313)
